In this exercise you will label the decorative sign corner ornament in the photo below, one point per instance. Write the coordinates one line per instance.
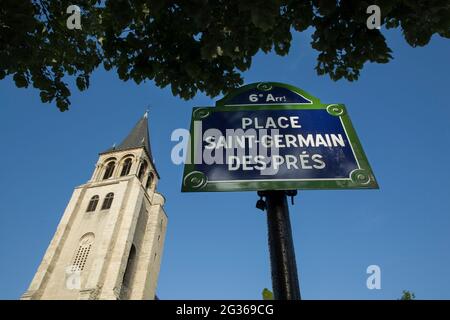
(273, 136)
(195, 180)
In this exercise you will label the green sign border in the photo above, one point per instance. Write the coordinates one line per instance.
(362, 178)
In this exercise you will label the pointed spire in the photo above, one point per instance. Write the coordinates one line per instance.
(137, 138)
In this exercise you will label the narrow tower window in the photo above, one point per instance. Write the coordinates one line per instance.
(82, 254)
(109, 170)
(108, 201)
(126, 167)
(142, 169)
(92, 204)
(150, 179)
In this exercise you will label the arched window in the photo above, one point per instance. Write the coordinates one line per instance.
(150, 179)
(82, 254)
(92, 204)
(109, 170)
(126, 167)
(142, 170)
(108, 201)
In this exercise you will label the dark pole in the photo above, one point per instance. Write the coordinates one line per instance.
(282, 256)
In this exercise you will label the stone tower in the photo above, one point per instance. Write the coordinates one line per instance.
(109, 242)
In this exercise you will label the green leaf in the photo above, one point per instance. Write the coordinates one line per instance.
(63, 105)
(20, 80)
(46, 96)
(81, 83)
(267, 294)
(408, 295)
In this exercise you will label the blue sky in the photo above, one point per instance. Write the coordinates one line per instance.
(216, 243)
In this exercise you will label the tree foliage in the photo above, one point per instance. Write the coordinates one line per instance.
(408, 295)
(196, 45)
(267, 294)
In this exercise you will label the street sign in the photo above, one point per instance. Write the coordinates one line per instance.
(272, 136)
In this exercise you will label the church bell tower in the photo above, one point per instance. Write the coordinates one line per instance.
(109, 242)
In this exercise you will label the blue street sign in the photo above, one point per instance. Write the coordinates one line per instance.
(287, 145)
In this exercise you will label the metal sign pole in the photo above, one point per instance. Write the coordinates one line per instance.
(282, 256)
